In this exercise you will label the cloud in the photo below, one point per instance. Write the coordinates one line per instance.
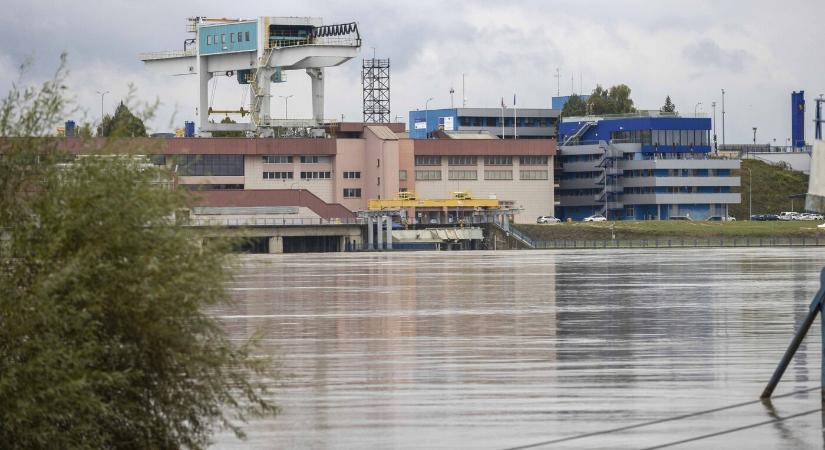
(708, 53)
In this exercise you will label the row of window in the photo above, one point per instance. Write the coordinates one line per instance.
(352, 175)
(277, 159)
(315, 175)
(240, 36)
(677, 190)
(210, 165)
(495, 160)
(663, 137)
(278, 175)
(352, 192)
(490, 121)
(435, 175)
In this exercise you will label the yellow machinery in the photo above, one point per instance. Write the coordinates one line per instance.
(409, 200)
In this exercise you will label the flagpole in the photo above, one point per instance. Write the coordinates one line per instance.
(515, 119)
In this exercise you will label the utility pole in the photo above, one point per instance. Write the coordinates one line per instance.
(723, 117)
(452, 91)
(463, 93)
(750, 194)
(754, 135)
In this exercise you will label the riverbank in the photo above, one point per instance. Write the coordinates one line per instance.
(673, 230)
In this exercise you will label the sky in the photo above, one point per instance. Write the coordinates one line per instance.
(757, 51)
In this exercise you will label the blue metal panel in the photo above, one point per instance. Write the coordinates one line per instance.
(604, 127)
(798, 119)
(228, 38)
(424, 122)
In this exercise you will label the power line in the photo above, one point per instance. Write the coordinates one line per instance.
(655, 422)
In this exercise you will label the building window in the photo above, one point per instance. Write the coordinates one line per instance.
(210, 165)
(498, 161)
(462, 175)
(352, 192)
(461, 160)
(498, 174)
(427, 175)
(532, 160)
(277, 159)
(278, 175)
(240, 36)
(247, 36)
(352, 175)
(223, 39)
(208, 39)
(402, 175)
(533, 175)
(427, 160)
(315, 175)
(314, 159)
(232, 38)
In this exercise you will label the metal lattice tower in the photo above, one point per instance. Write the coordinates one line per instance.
(375, 79)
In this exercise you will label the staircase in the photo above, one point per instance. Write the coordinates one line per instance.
(609, 197)
(578, 133)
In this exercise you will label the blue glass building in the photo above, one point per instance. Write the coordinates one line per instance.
(640, 167)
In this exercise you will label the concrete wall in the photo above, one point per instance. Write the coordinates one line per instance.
(816, 185)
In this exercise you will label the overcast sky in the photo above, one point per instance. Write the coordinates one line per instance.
(758, 51)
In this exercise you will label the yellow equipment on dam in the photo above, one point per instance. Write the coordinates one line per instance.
(458, 200)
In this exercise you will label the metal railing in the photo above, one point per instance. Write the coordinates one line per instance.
(680, 243)
(271, 221)
(149, 56)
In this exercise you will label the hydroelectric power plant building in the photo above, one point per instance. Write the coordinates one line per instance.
(645, 166)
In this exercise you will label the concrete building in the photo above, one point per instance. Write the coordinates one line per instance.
(643, 166)
(528, 123)
(332, 178)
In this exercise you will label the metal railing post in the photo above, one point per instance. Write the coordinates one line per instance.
(814, 309)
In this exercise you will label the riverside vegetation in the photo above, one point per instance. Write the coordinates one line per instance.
(104, 339)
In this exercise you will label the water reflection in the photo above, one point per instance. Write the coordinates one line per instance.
(495, 350)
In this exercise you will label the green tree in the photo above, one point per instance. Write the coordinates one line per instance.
(575, 106)
(668, 107)
(227, 119)
(122, 124)
(615, 100)
(105, 339)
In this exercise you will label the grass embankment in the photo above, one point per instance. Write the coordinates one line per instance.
(652, 229)
(772, 186)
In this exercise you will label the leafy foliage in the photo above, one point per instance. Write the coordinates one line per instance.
(575, 106)
(668, 107)
(122, 124)
(772, 187)
(104, 337)
(615, 100)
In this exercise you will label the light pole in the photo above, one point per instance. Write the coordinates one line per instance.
(695, 107)
(452, 91)
(102, 95)
(754, 135)
(713, 105)
(750, 193)
(286, 105)
(427, 117)
(723, 117)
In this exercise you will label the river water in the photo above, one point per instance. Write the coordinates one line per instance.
(497, 350)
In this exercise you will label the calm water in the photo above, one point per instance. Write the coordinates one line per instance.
(507, 349)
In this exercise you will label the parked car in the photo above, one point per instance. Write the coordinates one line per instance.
(789, 215)
(595, 218)
(815, 216)
(547, 219)
(721, 219)
(759, 217)
(771, 217)
(679, 218)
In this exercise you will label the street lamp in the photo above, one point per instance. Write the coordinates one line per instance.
(102, 95)
(427, 117)
(750, 193)
(754, 135)
(723, 117)
(713, 105)
(286, 105)
(695, 107)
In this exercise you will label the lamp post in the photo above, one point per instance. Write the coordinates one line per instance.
(723, 117)
(102, 95)
(750, 193)
(695, 107)
(286, 105)
(427, 117)
(713, 105)
(754, 135)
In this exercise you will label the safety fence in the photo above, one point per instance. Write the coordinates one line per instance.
(682, 243)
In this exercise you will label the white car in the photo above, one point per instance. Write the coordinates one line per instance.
(812, 216)
(595, 218)
(547, 219)
(789, 215)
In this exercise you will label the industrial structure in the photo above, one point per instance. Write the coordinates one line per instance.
(375, 83)
(642, 166)
(797, 120)
(257, 53)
